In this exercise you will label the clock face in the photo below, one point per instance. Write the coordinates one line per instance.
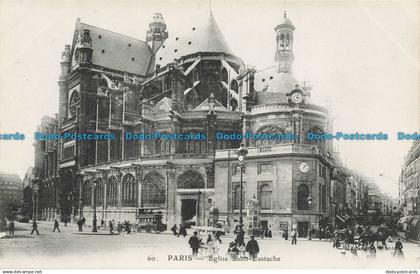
(241, 158)
(297, 98)
(304, 167)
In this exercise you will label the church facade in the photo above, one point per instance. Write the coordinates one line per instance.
(191, 84)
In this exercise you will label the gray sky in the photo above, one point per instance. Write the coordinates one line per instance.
(363, 57)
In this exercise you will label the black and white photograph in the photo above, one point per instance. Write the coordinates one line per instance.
(209, 134)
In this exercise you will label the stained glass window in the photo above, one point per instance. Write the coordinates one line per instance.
(153, 190)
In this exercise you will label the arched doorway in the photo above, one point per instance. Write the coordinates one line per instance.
(190, 187)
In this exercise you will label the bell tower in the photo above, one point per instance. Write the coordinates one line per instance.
(284, 45)
(157, 33)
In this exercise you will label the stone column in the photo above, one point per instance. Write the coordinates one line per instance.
(171, 195)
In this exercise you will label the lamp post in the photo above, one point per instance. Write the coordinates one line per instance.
(309, 225)
(242, 152)
(94, 229)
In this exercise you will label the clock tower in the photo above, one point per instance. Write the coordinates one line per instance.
(284, 45)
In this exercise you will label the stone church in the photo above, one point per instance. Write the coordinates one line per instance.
(184, 83)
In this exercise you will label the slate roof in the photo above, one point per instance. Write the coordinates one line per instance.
(203, 37)
(116, 51)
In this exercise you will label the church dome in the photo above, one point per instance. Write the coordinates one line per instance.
(271, 81)
(204, 37)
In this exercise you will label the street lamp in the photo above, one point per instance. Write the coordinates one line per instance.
(309, 225)
(242, 152)
(94, 229)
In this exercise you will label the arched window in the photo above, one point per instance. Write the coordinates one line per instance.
(99, 193)
(190, 179)
(265, 193)
(112, 192)
(234, 104)
(87, 193)
(266, 132)
(287, 41)
(73, 103)
(153, 190)
(225, 76)
(282, 42)
(234, 86)
(302, 197)
(128, 191)
(237, 197)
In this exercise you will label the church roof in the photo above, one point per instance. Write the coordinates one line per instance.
(116, 51)
(203, 37)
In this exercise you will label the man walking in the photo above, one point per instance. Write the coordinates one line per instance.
(34, 227)
(56, 226)
(111, 228)
(12, 227)
(294, 237)
(252, 248)
(398, 249)
(80, 225)
(194, 244)
(182, 231)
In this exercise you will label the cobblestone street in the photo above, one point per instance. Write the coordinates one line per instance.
(71, 249)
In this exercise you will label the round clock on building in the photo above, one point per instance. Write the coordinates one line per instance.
(297, 98)
(304, 167)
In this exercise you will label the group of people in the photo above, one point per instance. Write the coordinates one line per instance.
(236, 248)
(182, 231)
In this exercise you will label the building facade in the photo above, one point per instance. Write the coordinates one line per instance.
(10, 195)
(410, 192)
(192, 85)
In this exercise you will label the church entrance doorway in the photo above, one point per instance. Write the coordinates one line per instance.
(189, 211)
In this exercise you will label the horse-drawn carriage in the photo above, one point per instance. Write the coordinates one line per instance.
(150, 221)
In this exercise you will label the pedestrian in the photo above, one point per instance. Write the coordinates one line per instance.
(111, 228)
(12, 227)
(252, 248)
(398, 250)
(174, 229)
(194, 244)
(119, 228)
(233, 250)
(217, 236)
(371, 251)
(56, 224)
(294, 237)
(34, 227)
(209, 240)
(80, 225)
(127, 227)
(84, 221)
(182, 231)
(269, 233)
(286, 234)
(102, 223)
(65, 222)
